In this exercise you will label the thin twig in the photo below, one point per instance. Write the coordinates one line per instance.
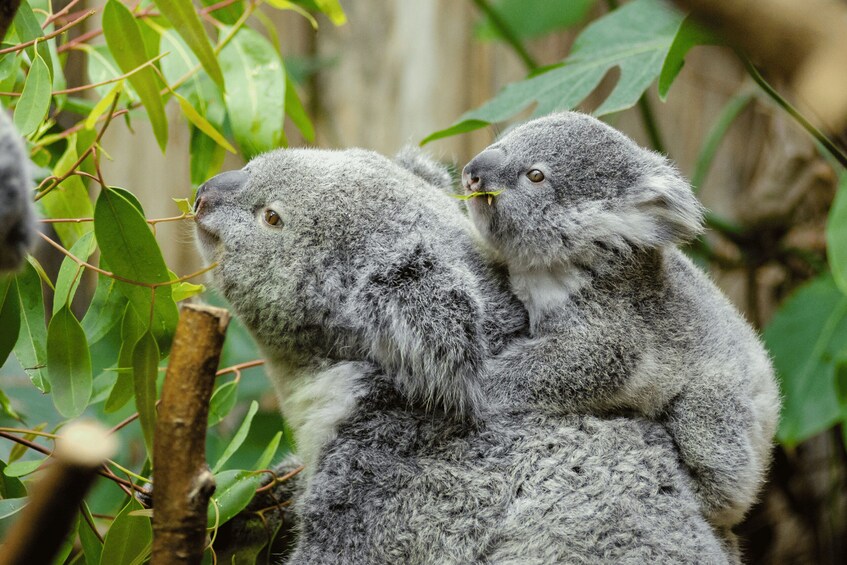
(53, 17)
(507, 33)
(60, 31)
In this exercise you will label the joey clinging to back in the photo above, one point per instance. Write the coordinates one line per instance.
(587, 223)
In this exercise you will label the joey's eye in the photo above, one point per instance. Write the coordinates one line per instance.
(535, 175)
(272, 218)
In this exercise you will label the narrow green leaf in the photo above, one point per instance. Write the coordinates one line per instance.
(477, 194)
(805, 337)
(35, 99)
(7, 409)
(145, 368)
(255, 91)
(10, 316)
(68, 200)
(128, 538)
(234, 491)
(70, 274)
(287, 5)
(123, 37)
(31, 347)
(28, 27)
(690, 34)
(202, 124)
(185, 290)
(836, 235)
(68, 364)
(269, 452)
(184, 205)
(130, 248)
(107, 307)
(238, 438)
(22, 468)
(222, 402)
(207, 157)
(183, 16)
(635, 38)
(92, 547)
(10, 487)
(333, 9)
(104, 104)
(131, 329)
(11, 506)
(294, 110)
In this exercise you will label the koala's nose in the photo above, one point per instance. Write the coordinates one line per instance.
(481, 167)
(224, 182)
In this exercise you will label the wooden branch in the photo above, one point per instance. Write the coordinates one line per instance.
(54, 502)
(805, 41)
(8, 9)
(182, 480)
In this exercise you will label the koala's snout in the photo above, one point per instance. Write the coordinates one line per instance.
(478, 173)
(229, 181)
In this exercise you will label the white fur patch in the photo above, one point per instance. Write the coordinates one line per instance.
(314, 402)
(545, 290)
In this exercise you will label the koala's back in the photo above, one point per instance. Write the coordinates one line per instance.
(526, 488)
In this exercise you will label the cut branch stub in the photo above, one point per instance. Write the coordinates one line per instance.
(183, 482)
(54, 502)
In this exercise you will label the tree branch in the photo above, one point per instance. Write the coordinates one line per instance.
(182, 477)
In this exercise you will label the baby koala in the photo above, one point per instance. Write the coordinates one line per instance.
(588, 223)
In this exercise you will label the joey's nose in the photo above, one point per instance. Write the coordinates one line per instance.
(482, 168)
(229, 181)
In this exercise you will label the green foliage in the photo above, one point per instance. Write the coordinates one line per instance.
(100, 355)
(534, 18)
(635, 38)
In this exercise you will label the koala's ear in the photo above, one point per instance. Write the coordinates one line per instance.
(423, 323)
(672, 209)
(423, 165)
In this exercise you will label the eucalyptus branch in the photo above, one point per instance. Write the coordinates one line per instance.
(51, 35)
(821, 138)
(85, 153)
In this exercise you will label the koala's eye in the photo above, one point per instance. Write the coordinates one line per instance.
(272, 218)
(535, 175)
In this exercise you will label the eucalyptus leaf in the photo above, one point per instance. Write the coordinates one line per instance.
(145, 369)
(183, 16)
(10, 316)
(234, 491)
(128, 538)
(836, 235)
(238, 438)
(131, 330)
(31, 347)
(106, 309)
(68, 364)
(805, 337)
(69, 199)
(123, 37)
(534, 18)
(130, 248)
(222, 402)
(70, 274)
(34, 102)
(11, 506)
(255, 91)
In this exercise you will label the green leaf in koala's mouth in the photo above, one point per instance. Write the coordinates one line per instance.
(475, 194)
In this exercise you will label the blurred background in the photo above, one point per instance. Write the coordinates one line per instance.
(398, 71)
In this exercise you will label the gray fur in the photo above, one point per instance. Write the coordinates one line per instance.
(417, 161)
(378, 312)
(620, 318)
(17, 220)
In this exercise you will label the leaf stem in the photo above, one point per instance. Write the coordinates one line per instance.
(828, 144)
(507, 33)
(51, 35)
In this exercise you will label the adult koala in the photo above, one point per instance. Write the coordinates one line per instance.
(17, 221)
(375, 310)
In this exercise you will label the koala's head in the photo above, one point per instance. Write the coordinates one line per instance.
(17, 220)
(575, 190)
(347, 255)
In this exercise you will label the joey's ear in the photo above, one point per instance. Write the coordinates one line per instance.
(422, 319)
(672, 208)
(423, 165)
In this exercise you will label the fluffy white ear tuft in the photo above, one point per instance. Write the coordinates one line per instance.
(671, 207)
